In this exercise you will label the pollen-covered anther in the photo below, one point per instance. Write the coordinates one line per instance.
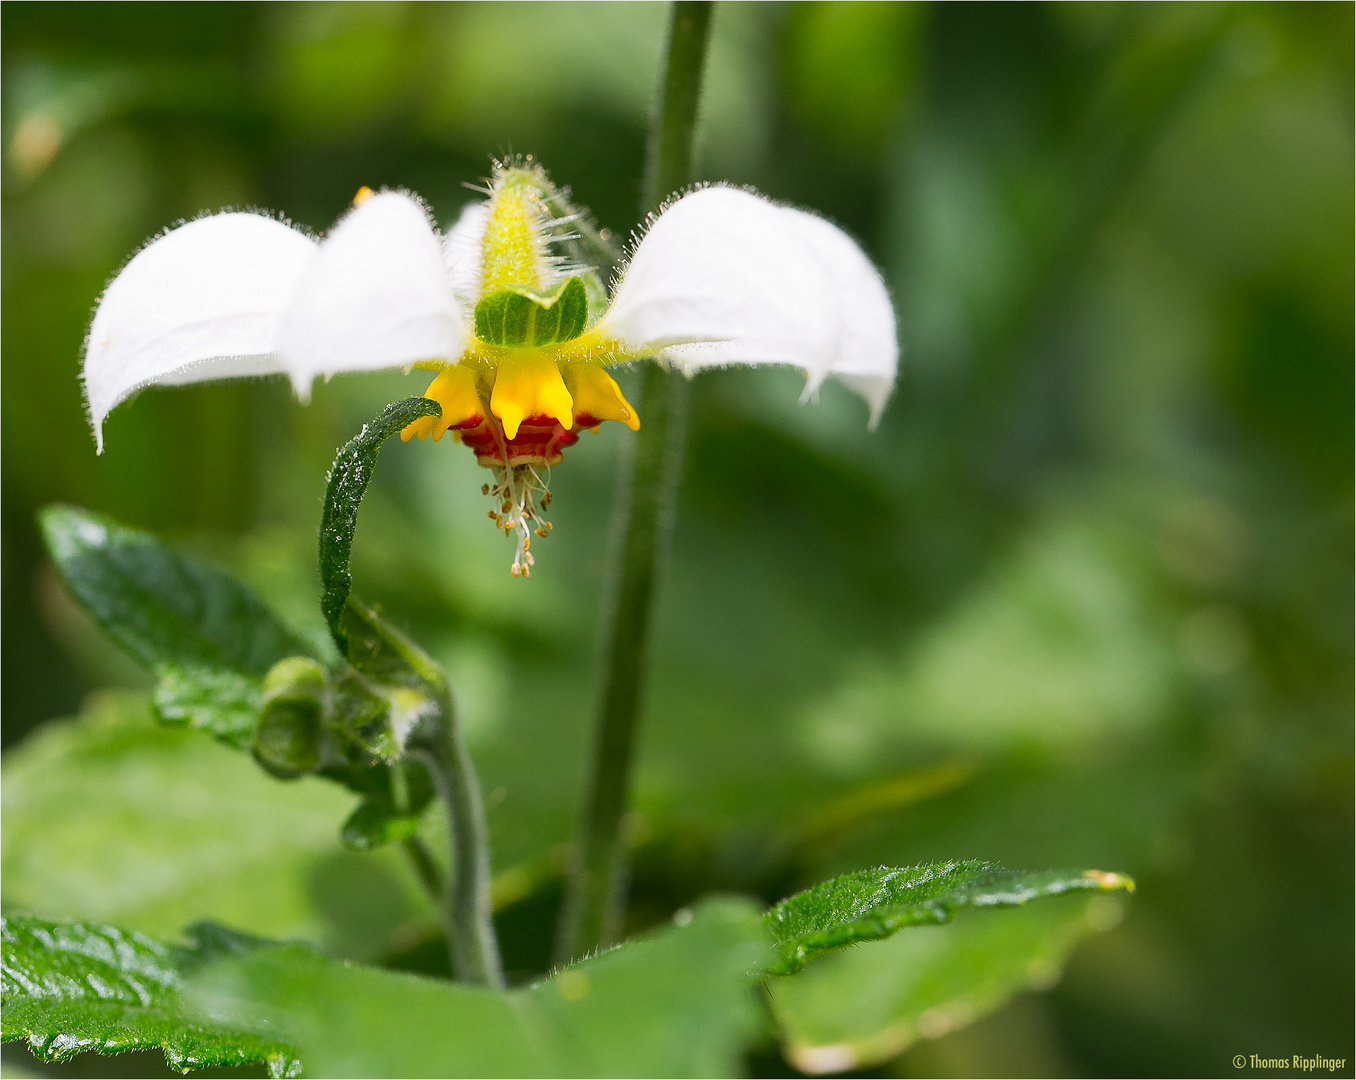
(520, 490)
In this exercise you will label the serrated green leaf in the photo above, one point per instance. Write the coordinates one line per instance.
(110, 818)
(867, 905)
(163, 608)
(863, 1006)
(71, 987)
(348, 480)
(212, 642)
(205, 635)
(674, 1004)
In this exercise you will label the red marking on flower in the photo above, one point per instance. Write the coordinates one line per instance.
(541, 440)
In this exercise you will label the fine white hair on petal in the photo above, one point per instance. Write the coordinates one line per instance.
(376, 296)
(867, 356)
(463, 255)
(721, 277)
(203, 301)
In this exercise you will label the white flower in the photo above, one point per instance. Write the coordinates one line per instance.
(506, 307)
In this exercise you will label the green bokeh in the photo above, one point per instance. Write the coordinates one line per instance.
(1099, 553)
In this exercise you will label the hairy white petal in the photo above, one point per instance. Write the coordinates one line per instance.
(867, 355)
(202, 302)
(377, 296)
(726, 277)
(462, 253)
(721, 278)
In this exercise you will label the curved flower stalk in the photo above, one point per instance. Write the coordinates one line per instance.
(508, 308)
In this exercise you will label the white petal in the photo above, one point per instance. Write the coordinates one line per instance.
(726, 277)
(377, 296)
(462, 253)
(202, 302)
(719, 279)
(867, 356)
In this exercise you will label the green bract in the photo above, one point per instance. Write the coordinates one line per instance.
(513, 318)
(287, 739)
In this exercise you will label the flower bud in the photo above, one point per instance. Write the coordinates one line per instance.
(287, 738)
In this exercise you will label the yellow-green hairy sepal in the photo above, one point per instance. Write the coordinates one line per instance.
(517, 319)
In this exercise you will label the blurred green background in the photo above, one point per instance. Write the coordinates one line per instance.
(1088, 589)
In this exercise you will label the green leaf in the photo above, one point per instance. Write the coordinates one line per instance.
(677, 1003)
(162, 607)
(867, 905)
(222, 702)
(207, 636)
(377, 822)
(214, 644)
(395, 797)
(110, 818)
(348, 480)
(861, 1007)
(71, 987)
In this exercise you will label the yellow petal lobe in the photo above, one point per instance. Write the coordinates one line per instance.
(455, 390)
(530, 385)
(597, 396)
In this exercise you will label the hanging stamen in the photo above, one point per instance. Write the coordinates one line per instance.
(520, 493)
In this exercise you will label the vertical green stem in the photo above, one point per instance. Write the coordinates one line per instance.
(668, 159)
(596, 896)
(470, 926)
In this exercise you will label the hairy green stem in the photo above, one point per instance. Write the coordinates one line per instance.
(596, 896)
(668, 159)
(471, 939)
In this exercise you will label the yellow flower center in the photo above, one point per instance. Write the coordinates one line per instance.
(533, 378)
